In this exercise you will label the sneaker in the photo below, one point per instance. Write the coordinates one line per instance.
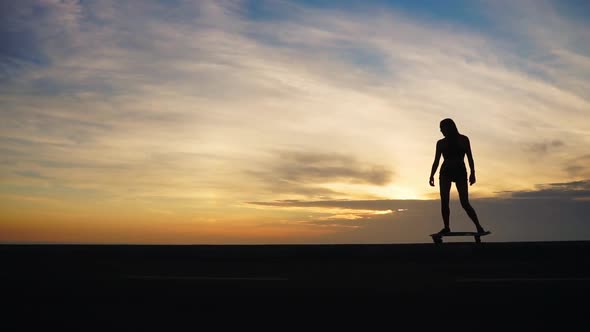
(444, 231)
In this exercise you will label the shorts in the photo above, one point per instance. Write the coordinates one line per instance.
(455, 174)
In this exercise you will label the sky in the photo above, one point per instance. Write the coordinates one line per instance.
(289, 122)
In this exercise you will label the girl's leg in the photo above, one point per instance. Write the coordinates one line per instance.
(445, 189)
(464, 197)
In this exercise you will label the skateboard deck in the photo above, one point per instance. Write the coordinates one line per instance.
(438, 237)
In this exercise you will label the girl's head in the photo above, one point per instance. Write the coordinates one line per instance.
(448, 128)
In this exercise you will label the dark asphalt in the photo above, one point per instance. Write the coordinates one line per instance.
(127, 287)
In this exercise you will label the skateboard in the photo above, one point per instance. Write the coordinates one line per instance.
(438, 237)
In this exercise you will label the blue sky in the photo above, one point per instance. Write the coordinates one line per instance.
(243, 121)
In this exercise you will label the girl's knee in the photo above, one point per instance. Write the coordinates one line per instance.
(465, 204)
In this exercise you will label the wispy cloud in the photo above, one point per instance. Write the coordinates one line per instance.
(312, 173)
(324, 168)
(578, 167)
(567, 190)
(544, 147)
(375, 205)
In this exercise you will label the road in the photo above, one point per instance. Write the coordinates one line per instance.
(532, 284)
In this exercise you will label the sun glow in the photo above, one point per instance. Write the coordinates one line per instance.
(401, 192)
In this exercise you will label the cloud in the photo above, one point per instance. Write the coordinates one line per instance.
(31, 174)
(311, 173)
(566, 190)
(578, 166)
(35, 31)
(306, 167)
(544, 147)
(339, 213)
(376, 205)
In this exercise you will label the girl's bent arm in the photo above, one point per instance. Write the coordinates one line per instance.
(436, 160)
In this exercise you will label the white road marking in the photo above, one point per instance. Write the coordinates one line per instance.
(539, 279)
(156, 277)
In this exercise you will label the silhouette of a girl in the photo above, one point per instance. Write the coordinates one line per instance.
(454, 147)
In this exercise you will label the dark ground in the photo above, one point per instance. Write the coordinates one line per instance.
(528, 284)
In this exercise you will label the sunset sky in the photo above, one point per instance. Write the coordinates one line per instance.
(226, 122)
